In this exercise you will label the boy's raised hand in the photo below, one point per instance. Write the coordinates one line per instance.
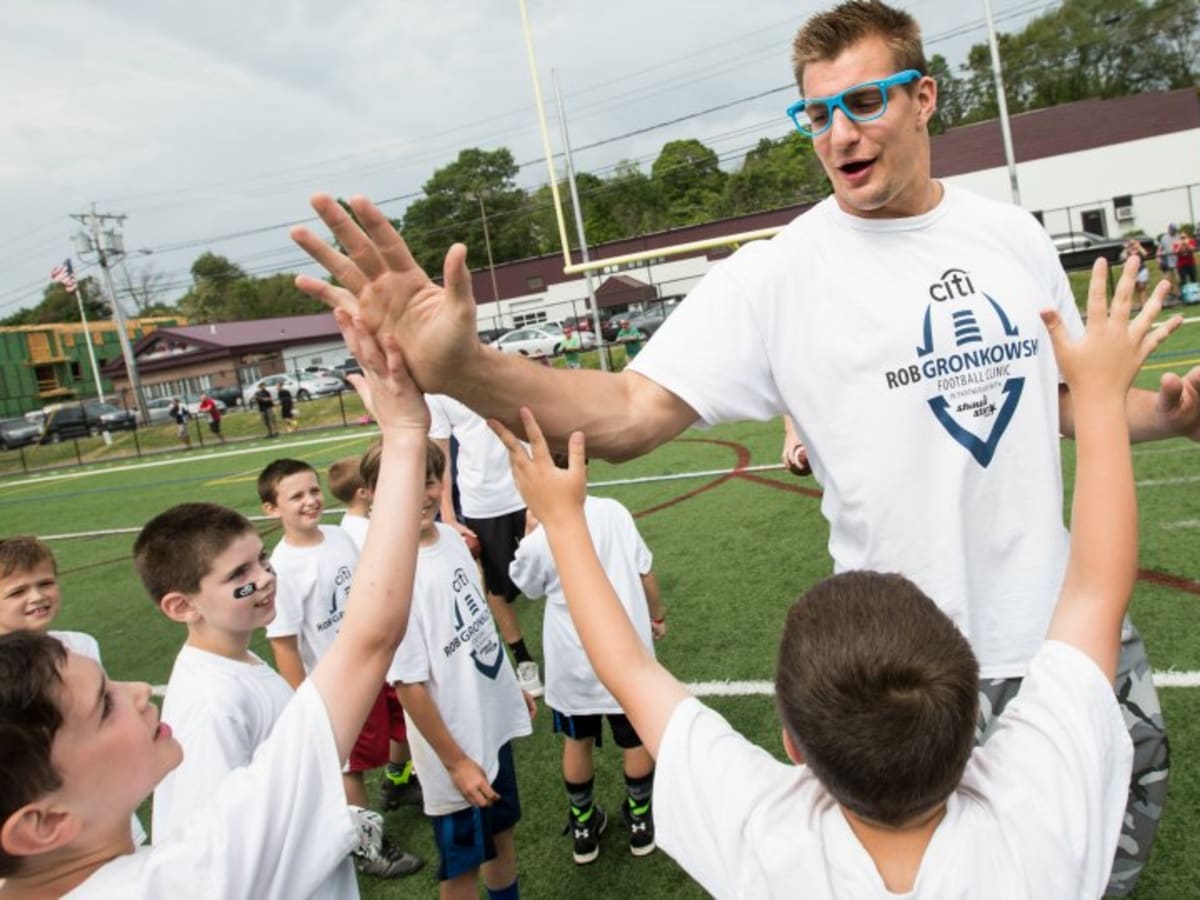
(1105, 360)
(386, 387)
(551, 494)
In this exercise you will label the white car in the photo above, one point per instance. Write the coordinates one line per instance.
(531, 341)
(308, 385)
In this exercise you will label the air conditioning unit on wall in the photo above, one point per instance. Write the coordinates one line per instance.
(1124, 213)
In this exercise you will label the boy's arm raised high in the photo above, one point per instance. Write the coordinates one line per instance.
(350, 673)
(1099, 368)
(646, 691)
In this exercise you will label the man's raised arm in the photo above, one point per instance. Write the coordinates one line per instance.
(623, 415)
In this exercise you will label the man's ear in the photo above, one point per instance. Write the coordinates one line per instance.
(926, 96)
(178, 607)
(790, 748)
(38, 828)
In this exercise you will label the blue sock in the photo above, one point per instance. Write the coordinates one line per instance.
(507, 893)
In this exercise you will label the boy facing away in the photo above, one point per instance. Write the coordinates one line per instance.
(345, 483)
(578, 700)
(463, 703)
(314, 566)
(877, 692)
(204, 566)
(81, 752)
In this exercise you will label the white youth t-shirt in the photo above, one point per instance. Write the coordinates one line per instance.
(278, 829)
(356, 527)
(311, 589)
(485, 484)
(1037, 814)
(912, 357)
(452, 647)
(221, 710)
(572, 686)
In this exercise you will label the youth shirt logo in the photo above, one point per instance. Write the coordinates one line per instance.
(471, 621)
(970, 350)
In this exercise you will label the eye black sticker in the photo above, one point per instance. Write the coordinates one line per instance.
(240, 593)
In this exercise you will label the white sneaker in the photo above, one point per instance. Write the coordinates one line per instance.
(530, 679)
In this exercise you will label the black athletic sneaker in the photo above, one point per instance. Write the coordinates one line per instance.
(640, 822)
(585, 833)
(393, 796)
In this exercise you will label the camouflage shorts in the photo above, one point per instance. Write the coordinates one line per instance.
(1151, 754)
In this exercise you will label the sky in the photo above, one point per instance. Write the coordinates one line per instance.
(209, 123)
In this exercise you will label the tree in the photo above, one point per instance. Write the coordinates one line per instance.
(457, 197)
(774, 174)
(59, 306)
(689, 179)
(223, 292)
(144, 286)
(951, 96)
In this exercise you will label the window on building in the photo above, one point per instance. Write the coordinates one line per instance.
(536, 282)
(521, 320)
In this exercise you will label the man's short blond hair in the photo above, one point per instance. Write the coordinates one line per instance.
(827, 35)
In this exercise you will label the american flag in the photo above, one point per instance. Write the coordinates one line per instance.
(64, 275)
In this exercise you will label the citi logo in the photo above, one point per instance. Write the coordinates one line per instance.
(954, 283)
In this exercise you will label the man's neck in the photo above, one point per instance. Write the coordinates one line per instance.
(428, 537)
(897, 851)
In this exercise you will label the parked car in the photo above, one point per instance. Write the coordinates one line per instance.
(158, 410)
(608, 325)
(107, 417)
(349, 366)
(530, 342)
(1079, 240)
(18, 433)
(230, 396)
(489, 335)
(650, 320)
(303, 386)
(587, 339)
(329, 372)
(64, 421)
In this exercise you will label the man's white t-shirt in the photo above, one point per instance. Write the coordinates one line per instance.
(311, 589)
(221, 710)
(485, 484)
(452, 647)
(356, 527)
(911, 355)
(1037, 814)
(572, 686)
(278, 829)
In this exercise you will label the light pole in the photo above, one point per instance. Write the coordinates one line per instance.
(487, 243)
(1002, 105)
(108, 244)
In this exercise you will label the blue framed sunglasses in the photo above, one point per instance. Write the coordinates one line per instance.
(860, 103)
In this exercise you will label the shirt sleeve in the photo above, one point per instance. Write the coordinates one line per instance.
(289, 607)
(528, 570)
(709, 782)
(439, 422)
(1057, 770)
(275, 830)
(410, 665)
(719, 320)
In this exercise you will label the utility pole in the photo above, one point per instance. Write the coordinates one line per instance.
(1002, 105)
(108, 245)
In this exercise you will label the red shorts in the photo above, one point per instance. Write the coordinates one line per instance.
(384, 722)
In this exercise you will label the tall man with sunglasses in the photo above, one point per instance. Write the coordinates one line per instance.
(897, 322)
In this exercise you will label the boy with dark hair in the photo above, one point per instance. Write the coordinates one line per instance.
(876, 693)
(81, 752)
(464, 704)
(579, 701)
(345, 483)
(314, 566)
(30, 600)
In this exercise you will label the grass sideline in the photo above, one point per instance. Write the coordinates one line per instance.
(729, 560)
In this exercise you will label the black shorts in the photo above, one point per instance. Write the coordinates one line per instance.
(498, 539)
(580, 728)
(214, 425)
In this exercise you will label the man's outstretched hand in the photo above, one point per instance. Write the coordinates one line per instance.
(382, 284)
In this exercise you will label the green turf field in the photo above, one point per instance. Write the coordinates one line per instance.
(729, 559)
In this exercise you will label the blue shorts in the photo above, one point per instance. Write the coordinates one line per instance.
(465, 838)
(581, 728)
